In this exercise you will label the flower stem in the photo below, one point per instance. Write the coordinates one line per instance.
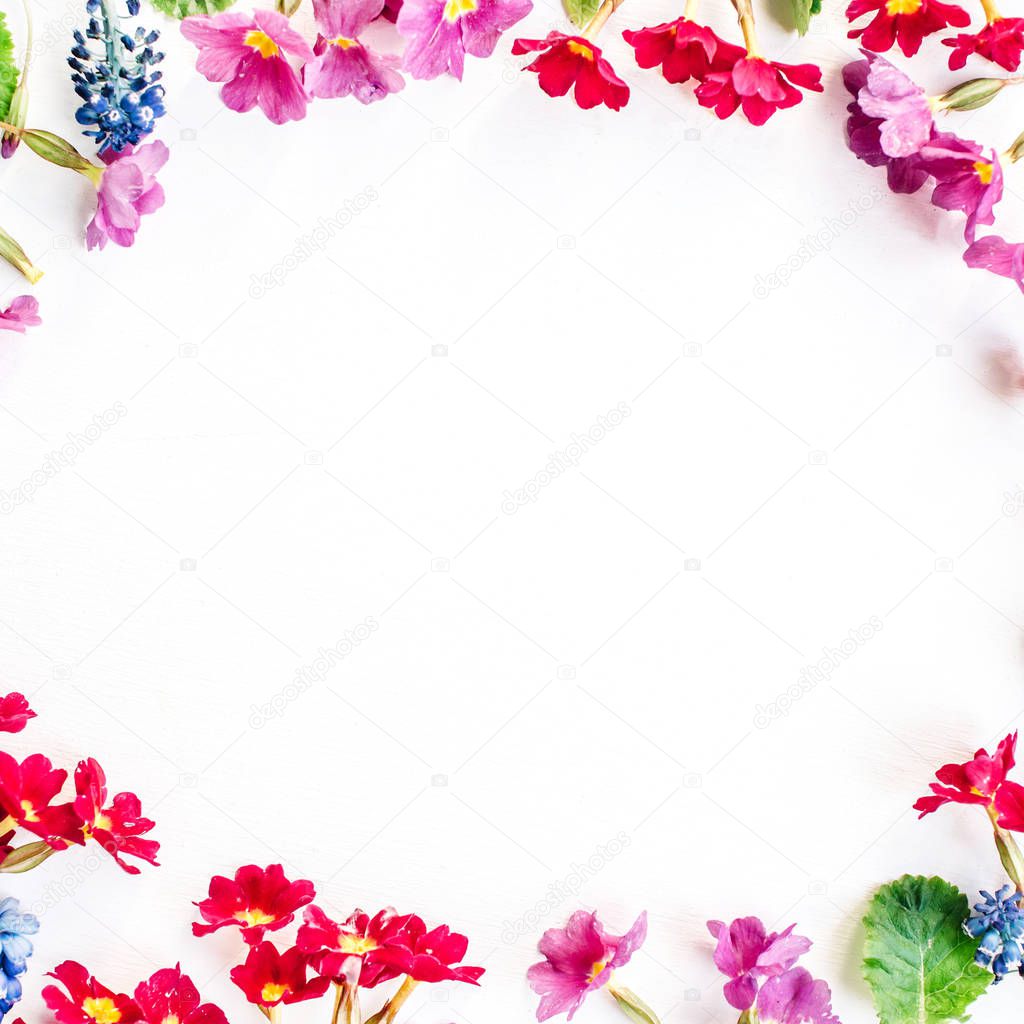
(274, 1014)
(596, 23)
(991, 11)
(1009, 852)
(745, 13)
(387, 1013)
(690, 10)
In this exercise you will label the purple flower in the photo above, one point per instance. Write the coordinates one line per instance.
(21, 313)
(128, 189)
(966, 180)
(746, 952)
(997, 256)
(795, 998)
(442, 32)
(907, 119)
(579, 957)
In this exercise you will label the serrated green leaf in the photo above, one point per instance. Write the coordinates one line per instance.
(918, 961)
(186, 8)
(581, 11)
(8, 68)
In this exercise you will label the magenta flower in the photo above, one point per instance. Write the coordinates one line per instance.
(794, 997)
(128, 189)
(579, 959)
(746, 952)
(966, 180)
(21, 313)
(997, 256)
(248, 53)
(442, 32)
(907, 120)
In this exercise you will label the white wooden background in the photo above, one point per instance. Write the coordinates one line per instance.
(574, 680)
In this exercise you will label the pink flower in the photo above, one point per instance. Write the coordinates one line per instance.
(1001, 41)
(442, 32)
(906, 116)
(248, 53)
(128, 189)
(579, 959)
(567, 61)
(794, 997)
(745, 952)
(905, 22)
(758, 86)
(683, 49)
(1006, 259)
(14, 710)
(170, 997)
(966, 180)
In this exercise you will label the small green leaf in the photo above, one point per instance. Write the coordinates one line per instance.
(918, 961)
(186, 8)
(8, 68)
(803, 11)
(581, 11)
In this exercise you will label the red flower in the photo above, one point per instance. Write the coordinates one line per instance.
(905, 22)
(351, 951)
(975, 782)
(169, 997)
(433, 954)
(573, 60)
(268, 977)
(14, 713)
(26, 791)
(1001, 41)
(116, 828)
(757, 85)
(89, 1002)
(683, 49)
(258, 900)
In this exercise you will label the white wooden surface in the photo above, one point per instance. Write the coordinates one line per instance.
(540, 680)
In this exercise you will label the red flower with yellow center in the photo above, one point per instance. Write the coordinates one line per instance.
(26, 793)
(169, 997)
(257, 900)
(567, 61)
(904, 22)
(86, 1000)
(14, 713)
(269, 977)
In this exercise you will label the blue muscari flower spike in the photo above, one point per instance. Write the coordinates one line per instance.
(998, 922)
(121, 91)
(15, 949)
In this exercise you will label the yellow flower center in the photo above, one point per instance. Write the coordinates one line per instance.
(580, 49)
(102, 1010)
(355, 944)
(894, 7)
(272, 992)
(28, 811)
(171, 1018)
(343, 42)
(599, 966)
(254, 916)
(455, 9)
(103, 822)
(262, 42)
(984, 170)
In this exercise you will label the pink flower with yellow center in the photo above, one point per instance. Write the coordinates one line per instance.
(249, 54)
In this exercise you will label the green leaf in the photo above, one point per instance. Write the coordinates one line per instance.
(8, 68)
(803, 11)
(918, 960)
(185, 8)
(581, 11)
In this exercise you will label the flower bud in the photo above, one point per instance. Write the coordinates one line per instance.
(15, 255)
(16, 116)
(971, 95)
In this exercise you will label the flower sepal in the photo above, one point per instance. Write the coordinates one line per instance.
(972, 95)
(56, 150)
(632, 1005)
(25, 858)
(11, 251)
(1016, 151)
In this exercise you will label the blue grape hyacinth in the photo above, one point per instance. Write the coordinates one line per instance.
(998, 922)
(15, 949)
(121, 92)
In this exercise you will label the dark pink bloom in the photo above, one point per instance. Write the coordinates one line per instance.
(976, 781)
(128, 189)
(906, 22)
(567, 61)
(269, 977)
(794, 997)
(170, 997)
(14, 709)
(1001, 41)
(345, 67)
(579, 959)
(967, 180)
(745, 952)
(249, 54)
(758, 86)
(442, 32)
(682, 49)
(86, 1001)
(1006, 259)
(27, 792)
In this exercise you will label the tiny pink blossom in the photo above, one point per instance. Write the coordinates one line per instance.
(249, 54)
(579, 959)
(997, 256)
(745, 952)
(21, 313)
(127, 190)
(795, 998)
